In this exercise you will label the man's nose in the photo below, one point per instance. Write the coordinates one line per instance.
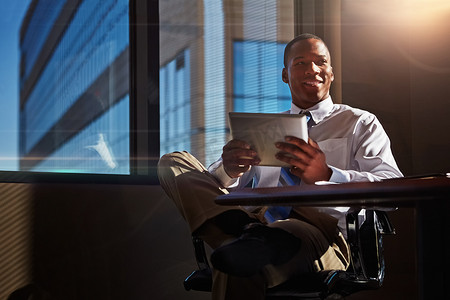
(313, 69)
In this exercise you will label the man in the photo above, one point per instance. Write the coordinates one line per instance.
(265, 247)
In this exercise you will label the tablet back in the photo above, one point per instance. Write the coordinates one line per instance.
(262, 130)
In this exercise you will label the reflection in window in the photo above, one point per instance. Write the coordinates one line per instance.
(235, 62)
(257, 78)
(214, 40)
(95, 148)
(74, 87)
(175, 105)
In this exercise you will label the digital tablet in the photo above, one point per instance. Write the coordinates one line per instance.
(263, 130)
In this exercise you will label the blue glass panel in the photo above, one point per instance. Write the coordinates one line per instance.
(257, 77)
(102, 147)
(93, 39)
(41, 23)
(175, 104)
(88, 61)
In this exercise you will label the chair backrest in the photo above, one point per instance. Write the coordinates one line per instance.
(365, 229)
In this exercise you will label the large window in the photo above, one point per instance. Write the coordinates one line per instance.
(76, 108)
(234, 64)
(85, 86)
(69, 86)
(74, 64)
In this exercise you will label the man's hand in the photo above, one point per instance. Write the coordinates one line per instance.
(237, 158)
(307, 160)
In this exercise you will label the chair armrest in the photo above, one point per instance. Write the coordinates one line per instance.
(201, 279)
(200, 253)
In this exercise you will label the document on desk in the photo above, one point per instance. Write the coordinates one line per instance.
(263, 130)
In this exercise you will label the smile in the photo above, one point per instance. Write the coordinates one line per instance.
(312, 83)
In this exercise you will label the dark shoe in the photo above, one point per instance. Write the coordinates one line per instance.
(233, 222)
(258, 246)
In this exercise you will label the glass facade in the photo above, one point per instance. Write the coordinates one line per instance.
(235, 62)
(214, 70)
(101, 147)
(74, 86)
(74, 78)
(175, 105)
(257, 84)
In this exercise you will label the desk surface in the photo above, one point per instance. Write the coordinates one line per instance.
(401, 192)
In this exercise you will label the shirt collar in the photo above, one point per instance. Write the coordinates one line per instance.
(318, 111)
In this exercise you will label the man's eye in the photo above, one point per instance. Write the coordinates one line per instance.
(322, 62)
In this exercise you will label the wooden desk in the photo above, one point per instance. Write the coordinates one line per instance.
(429, 196)
(400, 192)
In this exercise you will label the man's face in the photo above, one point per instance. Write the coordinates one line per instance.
(308, 72)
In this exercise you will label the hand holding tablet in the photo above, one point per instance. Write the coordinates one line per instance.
(263, 130)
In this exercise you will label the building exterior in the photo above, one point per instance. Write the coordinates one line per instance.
(74, 86)
(215, 57)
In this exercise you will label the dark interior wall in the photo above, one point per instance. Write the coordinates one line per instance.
(103, 242)
(129, 242)
(430, 91)
(110, 242)
(395, 64)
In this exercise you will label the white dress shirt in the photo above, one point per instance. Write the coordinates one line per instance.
(355, 145)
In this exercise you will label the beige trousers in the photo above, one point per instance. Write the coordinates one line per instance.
(193, 190)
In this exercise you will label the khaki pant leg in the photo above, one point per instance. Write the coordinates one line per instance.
(315, 253)
(193, 190)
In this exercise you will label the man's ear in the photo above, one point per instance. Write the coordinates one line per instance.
(332, 74)
(284, 76)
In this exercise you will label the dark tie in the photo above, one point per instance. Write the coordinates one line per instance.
(275, 213)
(287, 178)
(309, 119)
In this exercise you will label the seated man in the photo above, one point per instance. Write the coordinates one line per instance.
(263, 247)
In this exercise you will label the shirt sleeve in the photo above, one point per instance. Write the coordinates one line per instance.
(371, 158)
(218, 171)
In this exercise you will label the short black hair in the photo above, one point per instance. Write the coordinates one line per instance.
(301, 37)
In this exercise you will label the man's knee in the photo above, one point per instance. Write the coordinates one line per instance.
(179, 160)
(180, 173)
(170, 158)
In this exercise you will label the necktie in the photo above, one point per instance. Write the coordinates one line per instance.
(287, 178)
(275, 213)
(309, 119)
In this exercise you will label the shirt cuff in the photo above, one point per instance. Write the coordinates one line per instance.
(338, 175)
(220, 174)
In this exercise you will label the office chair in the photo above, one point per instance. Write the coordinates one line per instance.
(366, 271)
